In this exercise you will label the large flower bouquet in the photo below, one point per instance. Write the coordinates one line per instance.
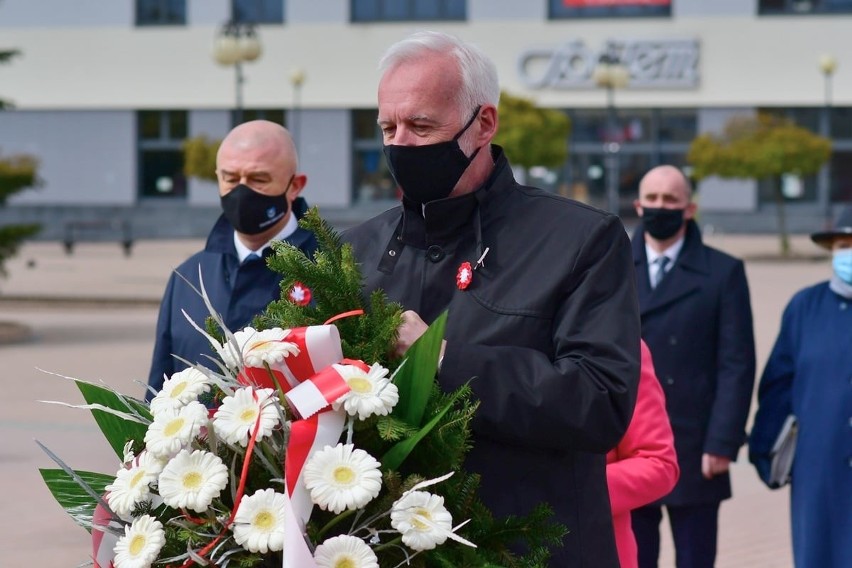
(298, 442)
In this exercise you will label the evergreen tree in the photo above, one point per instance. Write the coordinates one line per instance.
(16, 174)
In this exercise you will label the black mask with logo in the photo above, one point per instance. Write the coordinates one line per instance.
(662, 223)
(251, 212)
(429, 172)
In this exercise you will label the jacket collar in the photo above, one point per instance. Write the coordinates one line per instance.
(441, 221)
(685, 277)
(221, 238)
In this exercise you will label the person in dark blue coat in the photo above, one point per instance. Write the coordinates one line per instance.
(696, 318)
(809, 375)
(259, 187)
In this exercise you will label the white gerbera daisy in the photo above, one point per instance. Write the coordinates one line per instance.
(258, 347)
(173, 429)
(371, 392)
(342, 477)
(234, 420)
(259, 523)
(141, 543)
(132, 484)
(183, 387)
(345, 551)
(422, 520)
(192, 480)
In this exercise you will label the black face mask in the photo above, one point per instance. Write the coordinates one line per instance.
(429, 172)
(251, 212)
(662, 223)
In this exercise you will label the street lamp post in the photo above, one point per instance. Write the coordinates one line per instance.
(611, 74)
(827, 66)
(297, 79)
(237, 43)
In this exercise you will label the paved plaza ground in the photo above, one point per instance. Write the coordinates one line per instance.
(91, 315)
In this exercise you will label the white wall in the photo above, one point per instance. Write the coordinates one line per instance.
(744, 62)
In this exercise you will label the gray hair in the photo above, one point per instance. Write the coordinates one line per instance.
(479, 84)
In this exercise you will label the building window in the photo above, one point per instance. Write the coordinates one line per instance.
(159, 138)
(677, 125)
(271, 114)
(160, 12)
(646, 138)
(258, 11)
(798, 7)
(408, 10)
(371, 180)
(564, 9)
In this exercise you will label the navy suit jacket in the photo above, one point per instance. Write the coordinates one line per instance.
(698, 324)
(237, 291)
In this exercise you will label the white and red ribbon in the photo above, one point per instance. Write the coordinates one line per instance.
(311, 385)
(103, 542)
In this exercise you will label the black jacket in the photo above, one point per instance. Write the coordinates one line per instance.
(237, 291)
(698, 324)
(548, 327)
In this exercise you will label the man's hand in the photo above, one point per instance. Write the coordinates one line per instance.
(711, 465)
(410, 330)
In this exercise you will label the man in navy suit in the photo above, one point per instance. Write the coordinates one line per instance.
(696, 318)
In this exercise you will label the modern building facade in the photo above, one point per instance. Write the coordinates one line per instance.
(106, 91)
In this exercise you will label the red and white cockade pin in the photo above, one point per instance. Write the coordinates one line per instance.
(464, 276)
(300, 294)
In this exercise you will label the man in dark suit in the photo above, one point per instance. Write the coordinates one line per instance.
(696, 318)
(540, 311)
(259, 188)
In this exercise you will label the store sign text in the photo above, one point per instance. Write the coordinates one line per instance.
(651, 64)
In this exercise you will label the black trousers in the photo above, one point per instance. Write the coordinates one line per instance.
(694, 532)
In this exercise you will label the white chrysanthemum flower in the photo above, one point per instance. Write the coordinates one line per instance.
(182, 388)
(258, 347)
(342, 477)
(131, 485)
(371, 392)
(192, 480)
(234, 420)
(259, 522)
(422, 520)
(345, 551)
(173, 429)
(141, 543)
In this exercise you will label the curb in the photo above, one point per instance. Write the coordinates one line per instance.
(14, 332)
(78, 301)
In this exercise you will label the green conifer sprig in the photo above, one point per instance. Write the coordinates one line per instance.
(335, 282)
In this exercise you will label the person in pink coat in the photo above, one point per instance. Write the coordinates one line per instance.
(643, 466)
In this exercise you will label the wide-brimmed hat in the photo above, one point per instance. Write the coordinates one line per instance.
(842, 228)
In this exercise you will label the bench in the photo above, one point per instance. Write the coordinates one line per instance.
(76, 231)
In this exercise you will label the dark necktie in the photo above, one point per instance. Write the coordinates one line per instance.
(663, 264)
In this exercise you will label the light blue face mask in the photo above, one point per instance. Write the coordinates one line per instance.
(842, 263)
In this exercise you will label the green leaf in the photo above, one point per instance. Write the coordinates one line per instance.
(414, 380)
(116, 430)
(397, 454)
(74, 498)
